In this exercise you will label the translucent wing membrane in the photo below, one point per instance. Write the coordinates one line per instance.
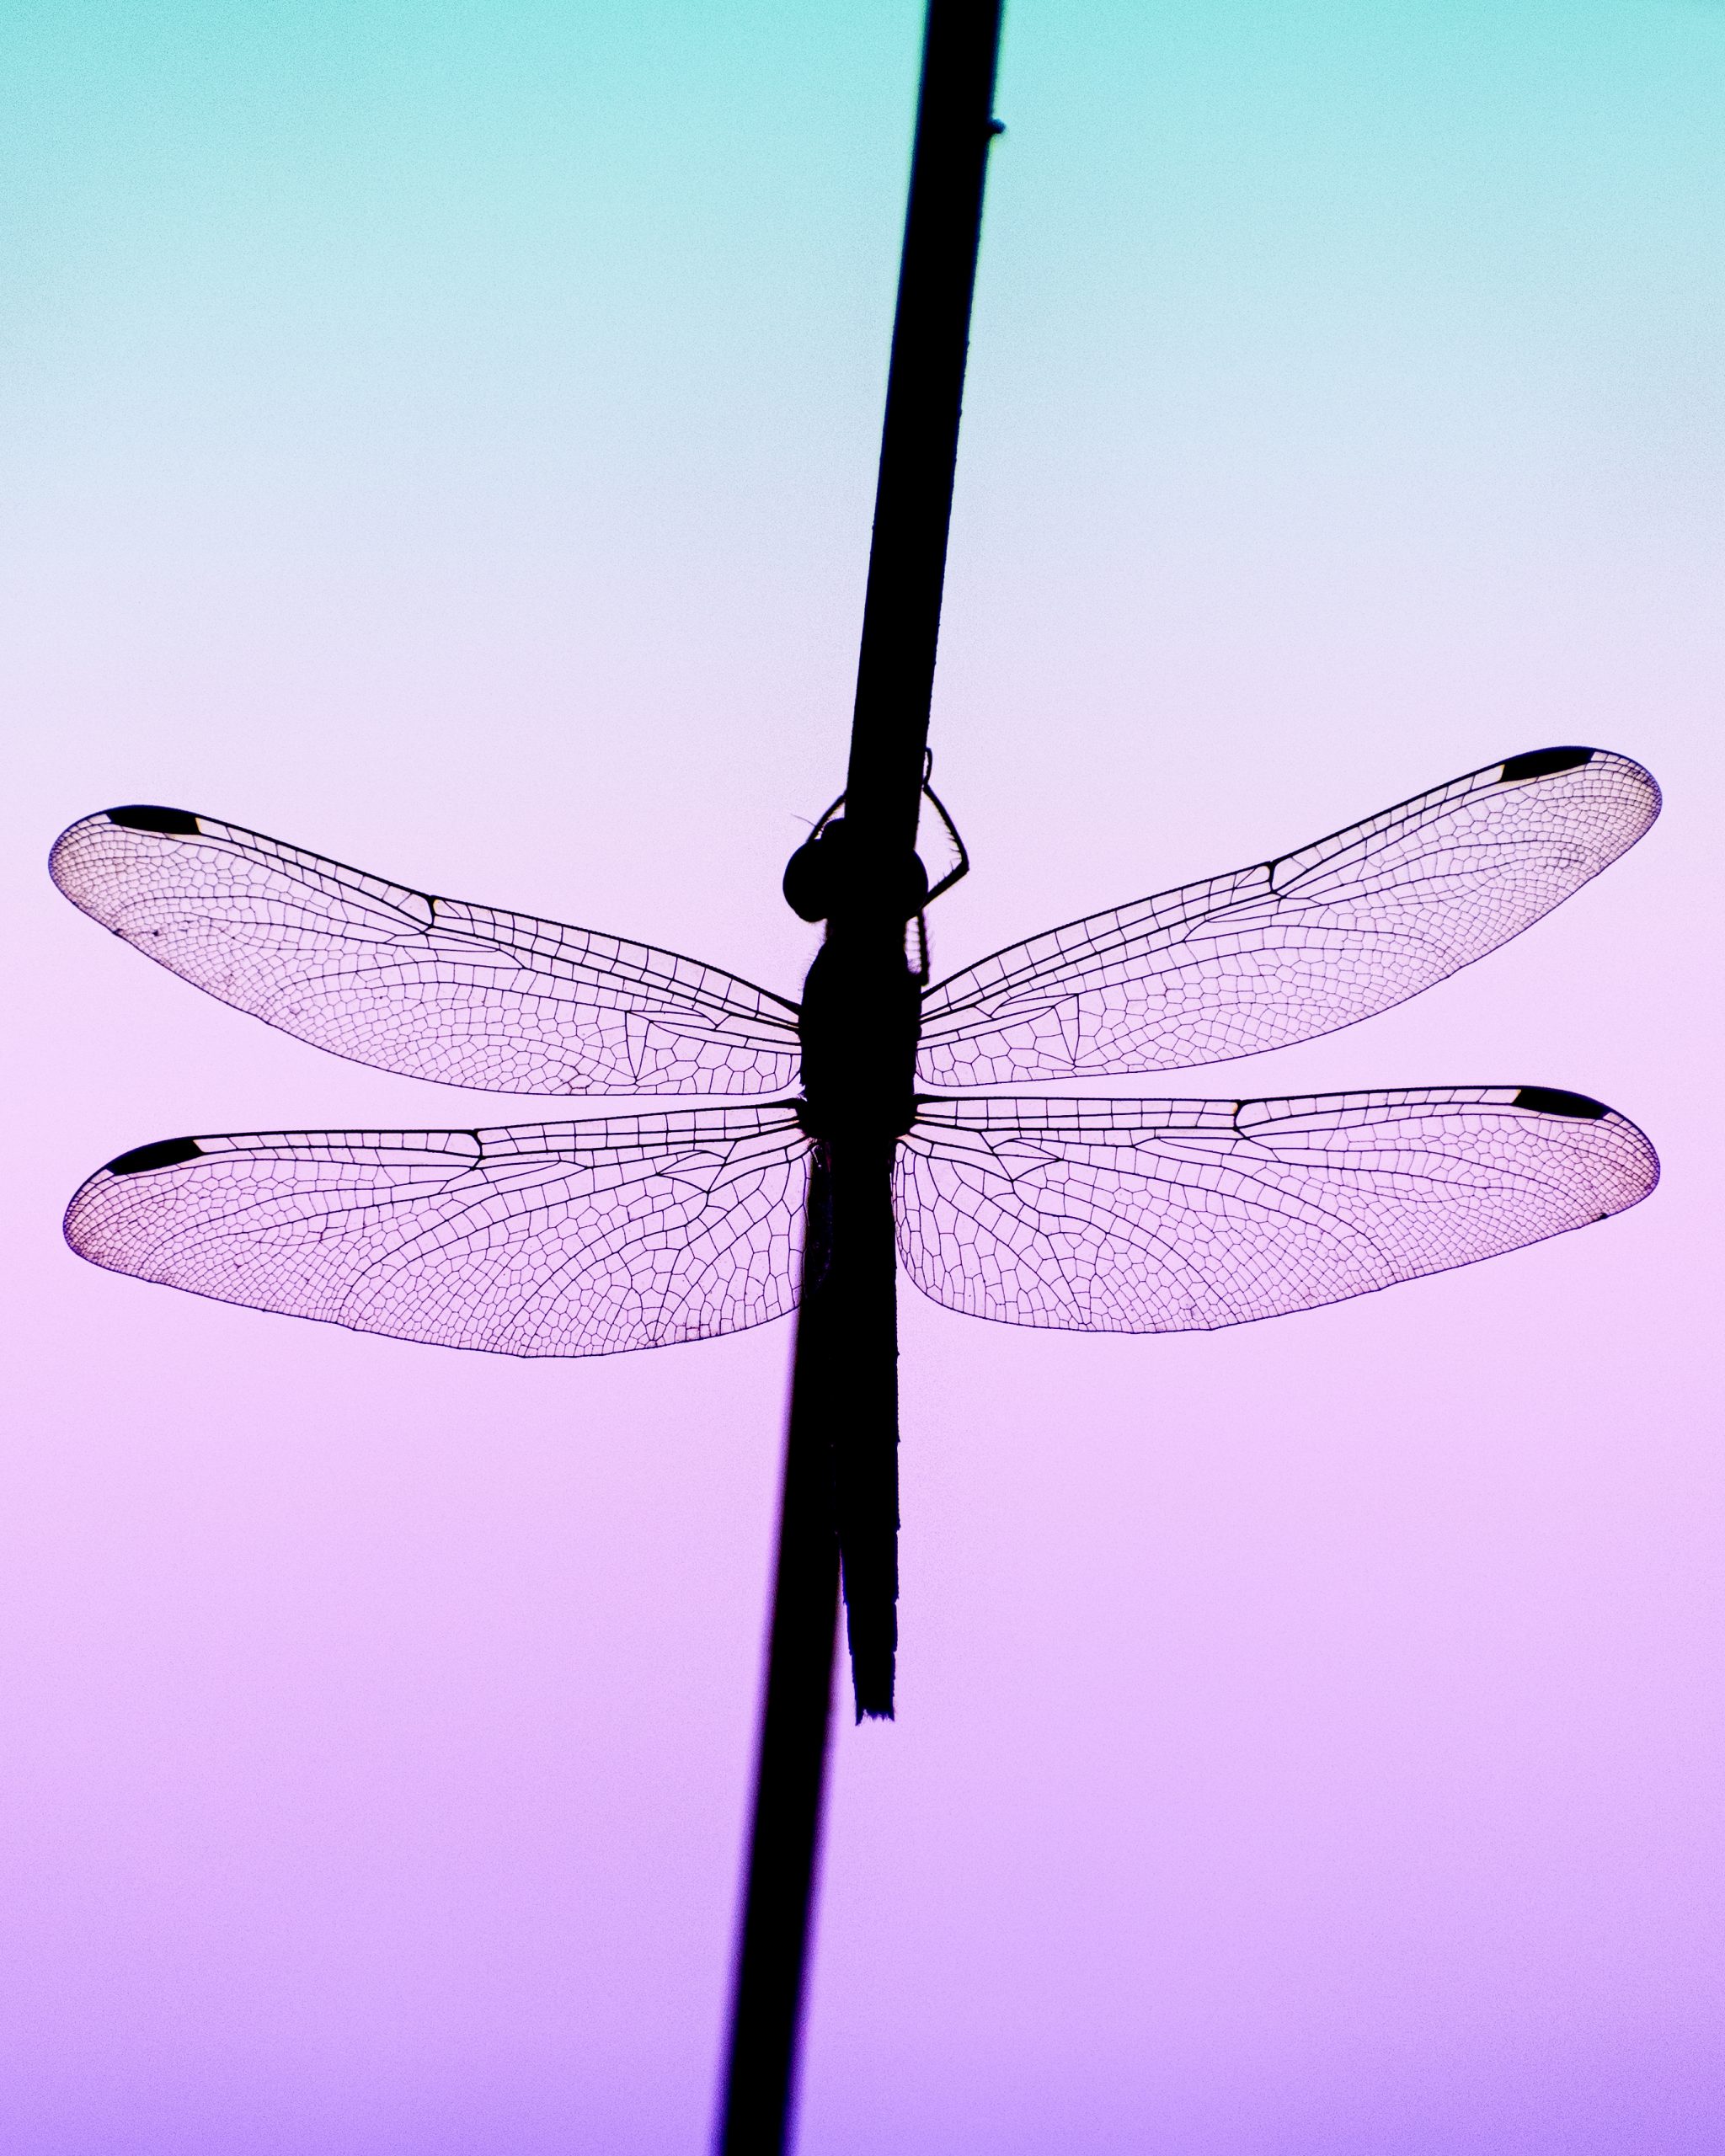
(426, 986)
(1171, 1216)
(1295, 947)
(540, 1239)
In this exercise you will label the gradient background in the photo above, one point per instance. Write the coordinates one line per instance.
(443, 435)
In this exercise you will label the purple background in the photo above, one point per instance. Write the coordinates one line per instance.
(443, 436)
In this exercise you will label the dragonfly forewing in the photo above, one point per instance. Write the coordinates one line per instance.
(1290, 948)
(426, 986)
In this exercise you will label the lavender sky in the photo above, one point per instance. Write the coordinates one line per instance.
(443, 435)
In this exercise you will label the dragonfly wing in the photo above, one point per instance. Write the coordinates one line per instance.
(430, 987)
(1296, 947)
(540, 1239)
(1173, 1216)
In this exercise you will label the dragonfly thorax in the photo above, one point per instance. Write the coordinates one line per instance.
(861, 1015)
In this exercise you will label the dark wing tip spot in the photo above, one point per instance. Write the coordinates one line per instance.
(165, 1153)
(1541, 763)
(145, 816)
(1551, 1100)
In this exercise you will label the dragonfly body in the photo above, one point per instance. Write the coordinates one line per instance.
(859, 1024)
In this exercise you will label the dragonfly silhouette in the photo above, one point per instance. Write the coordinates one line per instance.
(639, 1230)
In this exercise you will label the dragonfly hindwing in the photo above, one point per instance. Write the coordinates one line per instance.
(1172, 1216)
(537, 1239)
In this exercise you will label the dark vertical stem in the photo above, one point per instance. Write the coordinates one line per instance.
(919, 448)
(796, 1715)
(844, 1379)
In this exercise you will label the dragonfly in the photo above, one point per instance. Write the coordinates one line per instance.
(663, 1224)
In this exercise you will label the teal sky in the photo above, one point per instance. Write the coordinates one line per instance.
(444, 437)
(1327, 333)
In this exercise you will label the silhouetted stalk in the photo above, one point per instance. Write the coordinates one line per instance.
(840, 1481)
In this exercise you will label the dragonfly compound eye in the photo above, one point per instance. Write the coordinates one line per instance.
(812, 874)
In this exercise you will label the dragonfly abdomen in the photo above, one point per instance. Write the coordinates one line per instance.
(861, 1012)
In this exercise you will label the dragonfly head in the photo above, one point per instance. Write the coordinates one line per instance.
(821, 878)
